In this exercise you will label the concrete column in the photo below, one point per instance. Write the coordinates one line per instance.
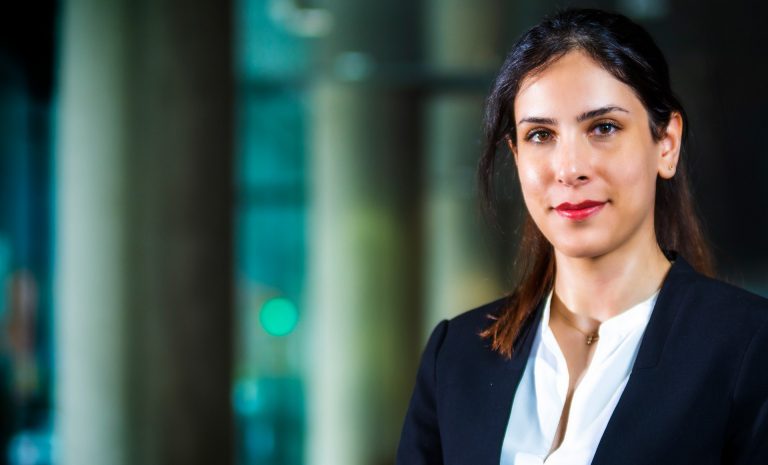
(363, 302)
(183, 252)
(144, 248)
(462, 263)
(91, 280)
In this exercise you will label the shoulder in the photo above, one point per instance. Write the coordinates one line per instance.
(735, 322)
(465, 328)
(458, 345)
(704, 321)
(717, 299)
(477, 319)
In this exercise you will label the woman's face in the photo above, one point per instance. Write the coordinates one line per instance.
(586, 159)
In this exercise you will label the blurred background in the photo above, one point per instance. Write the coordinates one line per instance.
(228, 226)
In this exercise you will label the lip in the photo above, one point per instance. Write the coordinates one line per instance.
(579, 211)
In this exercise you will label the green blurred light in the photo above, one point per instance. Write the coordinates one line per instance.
(278, 316)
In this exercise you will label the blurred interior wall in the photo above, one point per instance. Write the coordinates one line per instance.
(363, 247)
(459, 263)
(144, 267)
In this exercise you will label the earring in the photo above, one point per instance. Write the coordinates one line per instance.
(671, 167)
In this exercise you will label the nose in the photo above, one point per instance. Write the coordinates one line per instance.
(572, 166)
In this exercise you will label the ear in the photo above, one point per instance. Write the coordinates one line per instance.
(512, 146)
(669, 156)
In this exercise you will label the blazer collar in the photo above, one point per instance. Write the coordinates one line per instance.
(671, 297)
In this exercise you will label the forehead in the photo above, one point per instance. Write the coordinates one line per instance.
(571, 85)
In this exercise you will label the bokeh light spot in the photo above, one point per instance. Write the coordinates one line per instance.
(278, 316)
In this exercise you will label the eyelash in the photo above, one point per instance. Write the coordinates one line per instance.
(613, 125)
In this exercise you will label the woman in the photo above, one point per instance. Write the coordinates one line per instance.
(615, 347)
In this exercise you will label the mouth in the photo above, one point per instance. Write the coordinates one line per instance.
(579, 211)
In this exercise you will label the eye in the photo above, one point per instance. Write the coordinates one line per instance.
(605, 128)
(538, 136)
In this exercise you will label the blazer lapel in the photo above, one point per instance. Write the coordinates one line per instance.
(671, 297)
(497, 404)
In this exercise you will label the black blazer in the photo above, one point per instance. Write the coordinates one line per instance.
(697, 394)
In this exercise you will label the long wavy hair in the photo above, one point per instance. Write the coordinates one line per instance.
(628, 52)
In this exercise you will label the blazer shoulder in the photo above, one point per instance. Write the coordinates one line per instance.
(480, 317)
(717, 295)
(709, 310)
(462, 343)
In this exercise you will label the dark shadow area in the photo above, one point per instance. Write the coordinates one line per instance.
(26, 212)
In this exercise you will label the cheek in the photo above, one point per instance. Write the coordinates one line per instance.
(634, 181)
(532, 180)
(629, 175)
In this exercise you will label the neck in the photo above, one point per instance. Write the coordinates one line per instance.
(602, 287)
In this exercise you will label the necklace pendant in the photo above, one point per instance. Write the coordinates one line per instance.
(592, 338)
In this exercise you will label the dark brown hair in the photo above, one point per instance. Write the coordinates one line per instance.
(629, 53)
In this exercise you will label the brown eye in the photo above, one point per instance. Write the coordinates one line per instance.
(538, 136)
(605, 128)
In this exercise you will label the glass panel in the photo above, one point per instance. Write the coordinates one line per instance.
(270, 223)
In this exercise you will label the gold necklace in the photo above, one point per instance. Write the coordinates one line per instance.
(591, 337)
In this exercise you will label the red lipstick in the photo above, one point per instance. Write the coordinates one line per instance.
(579, 211)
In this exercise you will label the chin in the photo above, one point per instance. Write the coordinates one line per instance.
(581, 248)
(580, 252)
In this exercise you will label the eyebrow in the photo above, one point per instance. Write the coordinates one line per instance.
(599, 112)
(581, 118)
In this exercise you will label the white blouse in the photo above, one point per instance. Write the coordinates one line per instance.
(540, 396)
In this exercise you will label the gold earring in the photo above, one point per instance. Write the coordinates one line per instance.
(671, 167)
